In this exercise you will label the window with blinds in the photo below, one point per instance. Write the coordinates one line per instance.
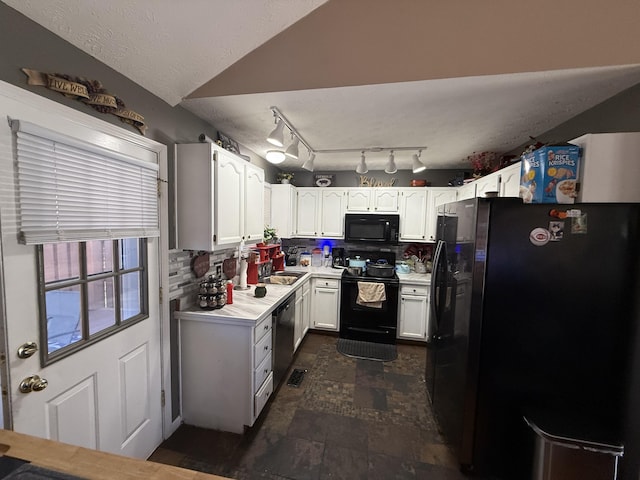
(72, 190)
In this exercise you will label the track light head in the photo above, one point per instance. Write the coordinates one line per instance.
(308, 165)
(391, 164)
(276, 137)
(418, 166)
(292, 150)
(275, 156)
(362, 166)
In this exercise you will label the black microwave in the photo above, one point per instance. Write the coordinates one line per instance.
(371, 228)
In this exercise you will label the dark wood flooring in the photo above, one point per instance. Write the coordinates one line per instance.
(348, 419)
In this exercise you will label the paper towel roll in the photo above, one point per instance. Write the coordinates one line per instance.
(242, 281)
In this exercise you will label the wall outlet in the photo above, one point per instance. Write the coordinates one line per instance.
(217, 267)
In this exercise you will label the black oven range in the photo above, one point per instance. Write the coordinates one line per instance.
(369, 303)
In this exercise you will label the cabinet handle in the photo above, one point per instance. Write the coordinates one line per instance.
(266, 371)
(266, 327)
(266, 347)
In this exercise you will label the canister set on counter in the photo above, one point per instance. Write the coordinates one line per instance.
(215, 293)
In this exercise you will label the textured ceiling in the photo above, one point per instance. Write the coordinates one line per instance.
(453, 76)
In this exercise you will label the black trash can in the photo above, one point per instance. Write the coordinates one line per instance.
(570, 448)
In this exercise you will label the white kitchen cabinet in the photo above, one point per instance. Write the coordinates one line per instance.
(226, 372)
(609, 167)
(488, 183)
(298, 327)
(510, 180)
(333, 203)
(301, 314)
(219, 198)
(307, 212)
(306, 307)
(437, 196)
(283, 210)
(373, 200)
(325, 303)
(253, 203)
(466, 191)
(413, 315)
(320, 212)
(413, 214)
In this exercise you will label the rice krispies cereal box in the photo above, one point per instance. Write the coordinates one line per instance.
(550, 174)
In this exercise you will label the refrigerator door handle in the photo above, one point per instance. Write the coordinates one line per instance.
(438, 256)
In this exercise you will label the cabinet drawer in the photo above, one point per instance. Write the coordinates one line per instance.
(263, 394)
(261, 372)
(414, 289)
(262, 328)
(262, 349)
(327, 282)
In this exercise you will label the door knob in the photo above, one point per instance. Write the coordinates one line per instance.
(27, 349)
(33, 384)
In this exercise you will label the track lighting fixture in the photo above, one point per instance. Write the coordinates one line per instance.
(292, 150)
(276, 137)
(308, 165)
(275, 156)
(391, 164)
(362, 166)
(418, 166)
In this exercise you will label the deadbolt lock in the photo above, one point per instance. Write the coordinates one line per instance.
(27, 349)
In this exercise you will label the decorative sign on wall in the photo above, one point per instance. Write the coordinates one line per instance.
(323, 180)
(373, 182)
(88, 91)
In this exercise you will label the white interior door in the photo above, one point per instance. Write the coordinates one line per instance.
(108, 395)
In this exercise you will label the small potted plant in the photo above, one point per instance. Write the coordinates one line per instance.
(269, 235)
(285, 177)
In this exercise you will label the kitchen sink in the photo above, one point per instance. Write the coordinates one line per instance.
(286, 278)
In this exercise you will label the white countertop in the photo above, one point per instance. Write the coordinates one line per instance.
(248, 309)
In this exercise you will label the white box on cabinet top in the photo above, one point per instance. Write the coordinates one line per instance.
(219, 198)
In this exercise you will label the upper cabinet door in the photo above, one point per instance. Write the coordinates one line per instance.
(385, 200)
(359, 200)
(413, 214)
(510, 181)
(229, 194)
(332, 219)
(253, 203)
(490, 183)
(308, 212)
(437, 197)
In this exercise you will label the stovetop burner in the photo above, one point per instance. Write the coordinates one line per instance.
(373, 257)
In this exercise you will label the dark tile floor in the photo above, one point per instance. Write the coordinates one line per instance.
(349, 419)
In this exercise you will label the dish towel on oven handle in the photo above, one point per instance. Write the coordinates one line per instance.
(371, 294)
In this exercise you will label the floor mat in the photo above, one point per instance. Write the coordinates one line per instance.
(296, 377)
(382, 352)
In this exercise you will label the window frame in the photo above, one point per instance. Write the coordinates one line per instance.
(83, 280)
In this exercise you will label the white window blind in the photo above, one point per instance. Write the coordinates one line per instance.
(72, 190)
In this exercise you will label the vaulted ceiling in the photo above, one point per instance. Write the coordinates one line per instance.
(455, 76)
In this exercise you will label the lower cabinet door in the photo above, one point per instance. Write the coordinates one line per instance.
(262, 395)
(413, 317)
(262, 371)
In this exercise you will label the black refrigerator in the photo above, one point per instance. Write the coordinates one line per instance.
(534, 308)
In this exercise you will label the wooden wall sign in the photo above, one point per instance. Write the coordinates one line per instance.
(87, 91)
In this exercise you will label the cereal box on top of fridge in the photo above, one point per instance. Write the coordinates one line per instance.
(549, 174)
